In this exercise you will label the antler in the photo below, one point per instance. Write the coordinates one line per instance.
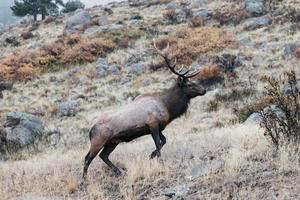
(184, 72)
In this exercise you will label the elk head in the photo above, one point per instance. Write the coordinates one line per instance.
(191, 88)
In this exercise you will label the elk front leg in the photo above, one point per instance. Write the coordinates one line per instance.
(163, 141)
(157, 140)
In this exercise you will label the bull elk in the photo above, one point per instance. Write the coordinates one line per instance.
(147, 114)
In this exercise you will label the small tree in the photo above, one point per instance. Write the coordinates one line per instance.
(73, 5)
(35, 7)
(282, 121)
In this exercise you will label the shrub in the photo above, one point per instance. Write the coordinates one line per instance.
(282, 129)
(73, 5)
(170, 16)
(234, 16)
(51, 57)
(197, 22)
(194, 42)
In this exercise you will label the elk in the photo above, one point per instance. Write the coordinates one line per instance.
(147, 114)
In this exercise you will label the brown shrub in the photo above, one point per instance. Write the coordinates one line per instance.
(170, 16)
(234, 16)
(197, 22)
(194, 42)
(69, 50)
(27, 35)
(49, 19)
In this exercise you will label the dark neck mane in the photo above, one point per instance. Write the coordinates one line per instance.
(176, 101)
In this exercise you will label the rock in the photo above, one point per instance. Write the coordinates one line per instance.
(205, 167)
(255, 118)
(180, 190)
(136, 68)
(127, 81)
(290, 49)
(103, 21)
(288, 90)
(13, 41)
(205, 14)
(22, 129)
(197, 3)
(255, 7)
(69, 108)
(257, 22)
(133, 23)
(77, 22)
(93, 29)
(53, 137)
(229, 62)
(147, 81)
(173, 5)
(104, 69)
(136, 17)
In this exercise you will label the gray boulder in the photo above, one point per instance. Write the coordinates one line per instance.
(136, 68)
(205, 14)
(104, 69)
(288, 90)
(197, 3)
(103, 21)
(255, 7)
(93, 29)
(257, 22)
(256, 118)
(69, 108)
(77, 21)
(204, 168)
(180, 190)
(22, 129)
(290, 49)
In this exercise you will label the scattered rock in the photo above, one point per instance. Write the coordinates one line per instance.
(53, 137)
(229, 62)
(136, 68)
(256, 118)
(104, 69)
(147, 81)
(93, 29)
(136, 17)
(255, 7)
(180, 190)
(13, 41)
(288, 90)
(257, 22)
(77, 22)
(206, 167)
(197, 3)
(290, 49)
(69, 108)
(205, 14)
(103, 21)
(21, 130)
(133, 23)
(127, 81)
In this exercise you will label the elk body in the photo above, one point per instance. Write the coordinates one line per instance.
(147, 114)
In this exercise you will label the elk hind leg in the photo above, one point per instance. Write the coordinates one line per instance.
(163, 141)
(108, 148)
(96, 146)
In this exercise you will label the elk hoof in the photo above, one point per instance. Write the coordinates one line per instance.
(155, 154)
(117, 172)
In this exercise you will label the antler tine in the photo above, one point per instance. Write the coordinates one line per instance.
(193, 74)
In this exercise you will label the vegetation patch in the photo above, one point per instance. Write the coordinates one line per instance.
(188, 44)
(63, 52)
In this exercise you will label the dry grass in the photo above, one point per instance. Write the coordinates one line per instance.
(70, 50)
(188, 44)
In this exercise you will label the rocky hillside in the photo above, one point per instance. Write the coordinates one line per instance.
(58, 74)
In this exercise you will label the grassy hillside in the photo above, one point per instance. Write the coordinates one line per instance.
(210, 152)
